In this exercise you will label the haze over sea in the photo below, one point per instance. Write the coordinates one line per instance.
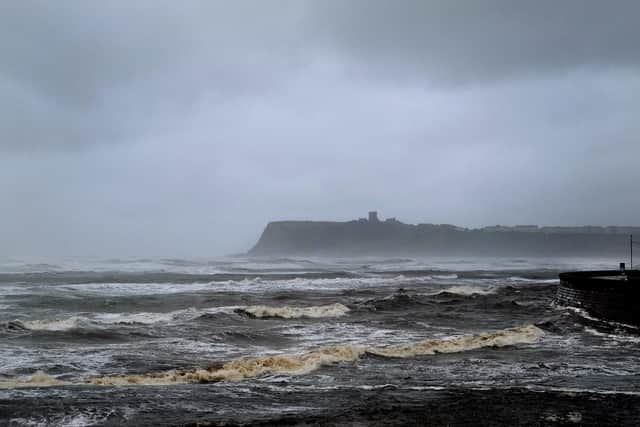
(240, 340)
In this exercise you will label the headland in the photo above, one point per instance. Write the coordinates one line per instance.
(376, 237)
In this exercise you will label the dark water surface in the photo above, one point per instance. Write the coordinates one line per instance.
(359, 342)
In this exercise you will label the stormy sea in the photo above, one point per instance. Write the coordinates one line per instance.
(369, 341)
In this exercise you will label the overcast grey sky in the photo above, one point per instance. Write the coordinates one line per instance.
(153, 127)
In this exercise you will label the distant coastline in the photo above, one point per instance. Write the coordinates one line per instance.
(372, 236)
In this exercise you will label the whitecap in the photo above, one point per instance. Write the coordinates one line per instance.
(445, 276)
(54, 324)
(291, 312)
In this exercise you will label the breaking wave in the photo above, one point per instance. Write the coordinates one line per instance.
(80, 322)
(302, 363)
(445, 276)
(469, 290)
(519, 335)
(290, 312)
(148, 318)
(298, 364)
(101, 320)
(38, 379)
(532, 280)
(55, 325)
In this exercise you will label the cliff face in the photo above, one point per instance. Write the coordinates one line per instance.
(290, 237)
(357, 238)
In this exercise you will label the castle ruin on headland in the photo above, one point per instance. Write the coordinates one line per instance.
(371, 236)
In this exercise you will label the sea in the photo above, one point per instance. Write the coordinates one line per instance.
(307, 341)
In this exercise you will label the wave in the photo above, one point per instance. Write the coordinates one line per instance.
(106, 319)
(101, 320)
(90, 277)
(601, 322)
(63, 421)
(467, 290)
(615, 338)
(444, 276)
(79, 322)
(148, 318)
(55, 325)
(240, 369)
(256, 284)
(290, 312)
(399, 299)
(505, 337)
(298, 364)
(38, 379)
(532, 280)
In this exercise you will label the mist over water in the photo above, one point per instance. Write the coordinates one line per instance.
(187, 330)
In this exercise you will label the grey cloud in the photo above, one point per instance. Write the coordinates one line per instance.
(466, 41)
(75, 51)
(73, 72)
(181, 128)
(78, 73)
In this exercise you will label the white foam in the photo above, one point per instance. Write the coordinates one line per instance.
(98, 320)
(529, 280)
(85, 320)
(260, 285)
(338, 333)
(541, 389)
(80, 421)
(129, 289)
(525, 334)
(27, 422)
(39, 379)
(147, 318)
(324, 284)
(445, 276)
(583, 313)
(290, 312)
(54, 324)
(15, 290)
(66, 421)
(614, 337)
(298, 364)
(68, 359)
